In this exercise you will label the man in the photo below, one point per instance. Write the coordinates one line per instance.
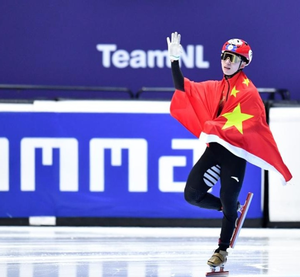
(229, 116)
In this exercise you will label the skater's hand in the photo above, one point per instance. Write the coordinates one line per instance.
(174, 46)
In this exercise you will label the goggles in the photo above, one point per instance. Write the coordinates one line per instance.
(232, 57)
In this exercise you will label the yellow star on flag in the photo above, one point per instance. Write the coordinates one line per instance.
(246, 82)
(236, 118)
(234, 91)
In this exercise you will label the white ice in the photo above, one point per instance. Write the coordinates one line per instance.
(140, 252)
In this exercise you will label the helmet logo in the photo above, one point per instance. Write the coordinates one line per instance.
(231, 47)
(235, 41)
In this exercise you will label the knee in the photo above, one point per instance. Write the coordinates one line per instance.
(192, 195)
(230, 211)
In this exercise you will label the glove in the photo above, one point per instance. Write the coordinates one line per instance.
(174, 47)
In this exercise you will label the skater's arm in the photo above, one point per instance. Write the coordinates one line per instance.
(177, 76)
(175, 51)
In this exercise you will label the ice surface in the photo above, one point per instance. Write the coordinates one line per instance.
(141, 252)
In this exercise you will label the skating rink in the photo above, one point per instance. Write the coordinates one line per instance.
(139, 252)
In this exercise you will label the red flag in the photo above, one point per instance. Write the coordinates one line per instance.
(241, 125)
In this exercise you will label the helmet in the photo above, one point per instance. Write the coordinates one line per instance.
(239, 47)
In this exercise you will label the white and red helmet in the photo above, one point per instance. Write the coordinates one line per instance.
(239, 47)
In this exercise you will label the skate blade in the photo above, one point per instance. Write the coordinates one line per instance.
(241, 220)
(218, 273)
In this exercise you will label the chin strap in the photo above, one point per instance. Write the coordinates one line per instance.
(240, 65)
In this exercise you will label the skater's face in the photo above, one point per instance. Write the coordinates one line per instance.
(231, 63)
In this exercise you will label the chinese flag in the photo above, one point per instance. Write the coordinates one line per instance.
(241, 125)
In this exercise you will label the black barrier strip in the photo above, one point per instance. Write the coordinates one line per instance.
(153, 89)
(66, 88)
(284, 93)
(131, 222)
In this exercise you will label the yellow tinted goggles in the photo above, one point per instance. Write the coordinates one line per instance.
(233, 58)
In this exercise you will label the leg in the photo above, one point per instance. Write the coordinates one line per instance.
(229, 198)
(232, 177)
(204, 175)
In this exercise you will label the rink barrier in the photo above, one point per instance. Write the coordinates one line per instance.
(281, 202)
(173, 222)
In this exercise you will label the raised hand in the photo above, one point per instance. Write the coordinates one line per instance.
(174, 46)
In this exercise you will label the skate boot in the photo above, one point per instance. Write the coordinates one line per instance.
(218, 259)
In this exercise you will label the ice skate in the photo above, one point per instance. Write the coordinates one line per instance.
(243, 209)
(218, 259)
